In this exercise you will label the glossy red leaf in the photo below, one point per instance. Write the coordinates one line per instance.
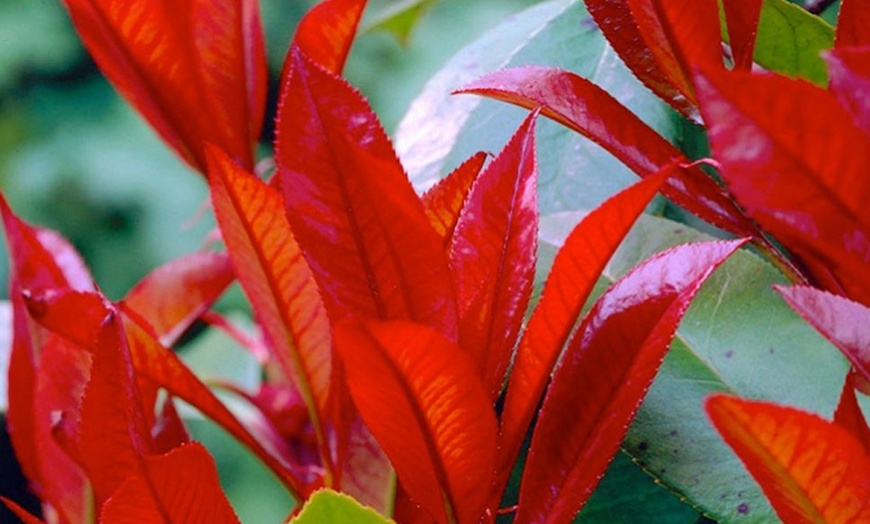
(196, 70)
(810, 469)
(181, 487)
(616, 21)
(849, 415)
(353, 211)
(589, 110)
(175, 294)
(601, 379)
(741, 17)
(576, 269)
(326, 33)
(422, 398)
(493, 254)
(804, 187)
(443, 201)
(849, 73)
(852, 23)
(277, 281)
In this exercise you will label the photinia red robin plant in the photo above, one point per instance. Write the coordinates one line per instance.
(407, 358)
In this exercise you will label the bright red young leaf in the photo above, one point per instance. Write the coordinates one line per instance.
(180, 487)
(326, 32)
(589, 110)
(849, 73)
(277, 281)
(805, 187)
(353, 211)
(811, 470)
(852, 23)
(20, 512)
(196, 70)
(493, 255)
(422, 398)
(601, 379)
(849, 415)
(741, 17)
(443, 201)
(574, 273)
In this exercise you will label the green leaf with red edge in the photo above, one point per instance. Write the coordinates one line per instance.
(741, 18)
(175, 294)
(614, 354)
(422, 398)
(359, 222)
(195, 70)
(587, 109)
(326, 33)
(806, 188)
(810, 469)
(849, 71)
(278, 282)
(180, 487)
(492, 256)
(852, 23)
(443, 201)
(849, 415)
(575, 271)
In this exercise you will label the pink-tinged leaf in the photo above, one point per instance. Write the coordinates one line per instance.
(575, 271)
(20, 512)
(614, 355)
(845, 323)
(849, 415)
(492, 256)
(589, 110)
(353, 211)
(181, 487)
(806, 188)
(741, 17)
(275, 277)
(615, 20)
(367, 475)
(326, 33)
(443, 202)
(172, 296)
(196, 70)
(849, 73)
(811, 470)
(852, 23)
(423, 400)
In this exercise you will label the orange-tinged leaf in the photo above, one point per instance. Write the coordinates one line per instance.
(811, 470)
(602, 377)
(423, 400)
(443, 201)
(741, 17)
(852, 23)
(492, 256)
(353, 211)
(196, 70)
(326, 33)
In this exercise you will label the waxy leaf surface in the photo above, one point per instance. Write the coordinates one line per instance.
(614, 355)
(359, 222)
(195, 70)
(422, 397)
(811, 470)
(849, 69)
(326, 33)
(443, 202)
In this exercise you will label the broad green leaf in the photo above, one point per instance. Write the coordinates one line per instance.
(401, 18)
(790, 41)
(442, 130)
(327, 506)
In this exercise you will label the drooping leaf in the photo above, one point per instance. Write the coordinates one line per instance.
(492, 256)
(331, 506)
(849, 415)
(849, 69)
(359, 222)
(443, 202)
(742, 18)
(615, 355)
(810, 469)
(802, 186)
(790, 41)
(180, 487)
(852, 22)
(574, 273)
(277, 281)
(326, 33)
(422, 398)
(195, 70)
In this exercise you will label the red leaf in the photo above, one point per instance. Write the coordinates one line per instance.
(277, 281)
(574, 273)
(810, 470)
(359, 222)
(172, 296)
(849, 415)
(589, 110)
(196, 70)
(615, 355)
(422, 398)
(742, 17)
(181, 487)
(325, 34)
(804, 187)
(20, 512)
(849, 72)
(852, 23)
(615, 20)
(443, 202)
(492, 256)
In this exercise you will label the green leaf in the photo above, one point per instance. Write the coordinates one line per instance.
(329, 507)
(401, 18)
(440, 130)
(790, 41)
